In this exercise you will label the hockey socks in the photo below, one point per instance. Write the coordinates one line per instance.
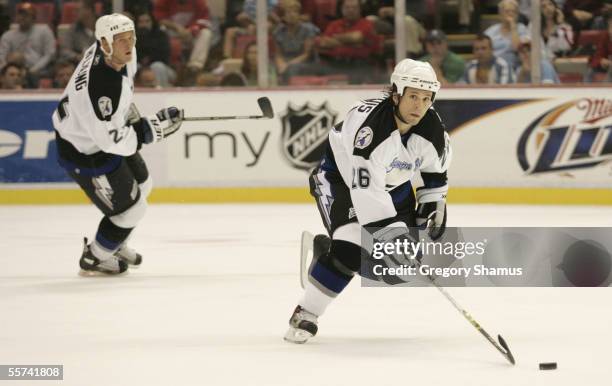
(108, 239)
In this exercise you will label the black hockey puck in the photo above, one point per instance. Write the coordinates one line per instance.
(548, 366)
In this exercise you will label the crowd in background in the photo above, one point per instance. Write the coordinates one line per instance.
(312, 42)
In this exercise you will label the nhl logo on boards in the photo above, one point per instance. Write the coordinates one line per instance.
(305, 131)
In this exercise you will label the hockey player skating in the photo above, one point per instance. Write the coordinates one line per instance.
(99, 133)
(364, 179)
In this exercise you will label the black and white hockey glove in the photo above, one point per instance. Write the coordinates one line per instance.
(431, 210)
(400, 242)
(156, 127)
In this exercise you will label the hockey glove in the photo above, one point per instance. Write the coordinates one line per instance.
(159, 126)
(404, 251)
(431, 210)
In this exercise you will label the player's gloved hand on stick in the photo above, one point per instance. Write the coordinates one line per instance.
(161, 125)
(403, 250)
(431, 210)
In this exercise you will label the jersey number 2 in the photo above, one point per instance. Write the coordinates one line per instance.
(361, 178)
(117, 137)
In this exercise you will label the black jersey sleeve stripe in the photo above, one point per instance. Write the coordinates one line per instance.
(432, 129)
(382, 125)
(434, 180)
(104, 89)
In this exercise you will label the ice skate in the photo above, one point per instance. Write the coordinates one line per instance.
(93, 266)
(302, 326)
(129, 255)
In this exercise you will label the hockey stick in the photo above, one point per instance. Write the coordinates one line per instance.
(502, 346)
(264, 105)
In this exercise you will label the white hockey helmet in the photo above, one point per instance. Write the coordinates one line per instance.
(415, 74)
(108, 26)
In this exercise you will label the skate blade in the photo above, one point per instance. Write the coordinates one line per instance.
(297, 336)
(84, 273)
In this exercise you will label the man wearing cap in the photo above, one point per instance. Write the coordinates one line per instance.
(449, 67)
(34, 41)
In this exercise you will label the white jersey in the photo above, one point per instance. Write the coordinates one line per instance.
(92, 113)
(373, 157)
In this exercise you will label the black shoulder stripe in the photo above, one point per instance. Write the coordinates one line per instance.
(432, 129)
(376, 128)
(104, 89)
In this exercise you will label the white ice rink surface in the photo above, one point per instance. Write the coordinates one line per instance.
(211, 302)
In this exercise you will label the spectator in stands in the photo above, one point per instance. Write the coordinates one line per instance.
(153, 49)
(28, 80)
(348, 44)
(136, 7)
(506, 36)
(63, 72)
(558, 37)
(11, 77)
(548, 75)
(382, 14)
(449, 67)
(81, 33)
(187, 19)
(600, 61)
(294, 42)
(486, 68)
(35, 41)
(145, 77)
(245, 21)
(249, 67)
(233, 79)
(586, 14)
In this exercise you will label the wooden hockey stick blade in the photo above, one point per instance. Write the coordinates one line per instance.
(508, 353)
(266, 107)
(306, 249)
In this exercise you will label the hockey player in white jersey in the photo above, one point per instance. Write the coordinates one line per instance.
(99, 133)
(364, 179)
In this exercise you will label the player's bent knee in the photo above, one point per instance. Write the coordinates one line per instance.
(146, 187)
(131, 216)
(349, 232)
(347, 254)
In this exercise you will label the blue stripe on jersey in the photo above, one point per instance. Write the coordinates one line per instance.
(401, 193)
(328, 279)
(328, 163)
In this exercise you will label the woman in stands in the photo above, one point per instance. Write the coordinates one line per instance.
(557, 35)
